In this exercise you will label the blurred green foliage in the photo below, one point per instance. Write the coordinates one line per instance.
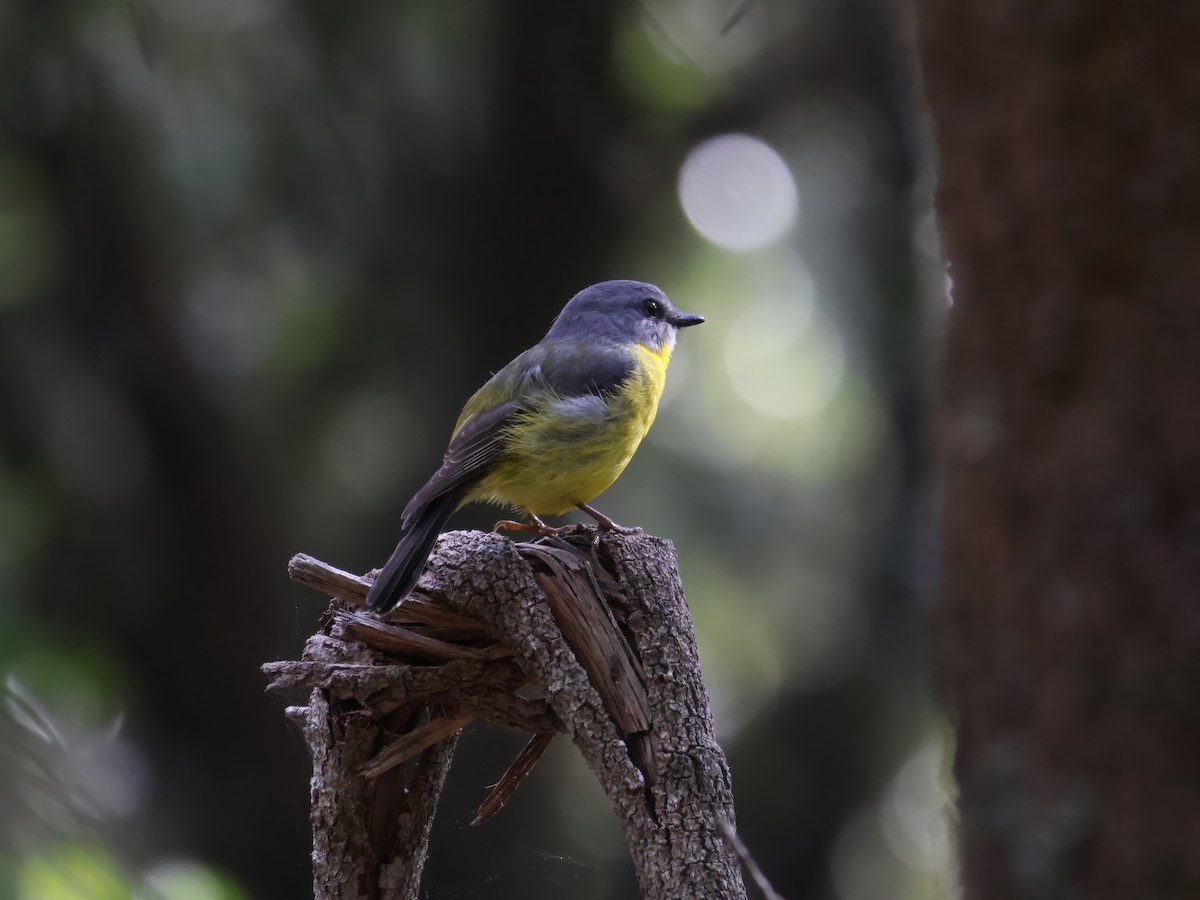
(72, 872)
(253, 257)
(81, 872)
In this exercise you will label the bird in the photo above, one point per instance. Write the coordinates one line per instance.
(552, 429)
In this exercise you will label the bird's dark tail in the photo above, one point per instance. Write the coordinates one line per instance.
(400, 575)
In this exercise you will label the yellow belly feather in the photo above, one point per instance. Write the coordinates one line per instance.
(553, 462)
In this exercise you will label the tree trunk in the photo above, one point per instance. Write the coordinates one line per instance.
(1068, 629)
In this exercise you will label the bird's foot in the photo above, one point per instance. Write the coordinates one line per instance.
(604, 523)
(511, 525)
(535, 524)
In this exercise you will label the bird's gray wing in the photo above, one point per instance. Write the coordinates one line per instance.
(473, 450)
(551, 369)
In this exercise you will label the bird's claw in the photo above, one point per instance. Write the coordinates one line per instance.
(604, 523)
(536, 525)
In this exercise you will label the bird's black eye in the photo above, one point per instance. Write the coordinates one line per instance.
(653, 308)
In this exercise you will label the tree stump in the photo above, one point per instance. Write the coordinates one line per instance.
(601, 629)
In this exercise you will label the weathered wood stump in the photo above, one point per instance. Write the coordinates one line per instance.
(601, 630)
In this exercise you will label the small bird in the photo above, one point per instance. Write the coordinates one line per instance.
(553, 428)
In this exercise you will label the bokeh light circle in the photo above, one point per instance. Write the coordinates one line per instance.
(738, 192)
(783, 357)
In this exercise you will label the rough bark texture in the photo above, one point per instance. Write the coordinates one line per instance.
(672, 828)
(370, 836)
(681, 851)
(1069, 621)
(611, 646)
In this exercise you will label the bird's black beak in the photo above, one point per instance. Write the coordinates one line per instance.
(683, 320)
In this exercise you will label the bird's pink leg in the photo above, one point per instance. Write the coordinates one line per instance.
(535, 524)
(605, 523)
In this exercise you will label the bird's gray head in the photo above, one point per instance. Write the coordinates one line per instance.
(623, 312)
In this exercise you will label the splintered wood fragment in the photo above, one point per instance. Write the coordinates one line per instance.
(355, 626)
(328, 579)
(291, 673)
(513, 776)
(464, 676)
(417, 610)
(591, 632)
(335, 582)
(413, 742)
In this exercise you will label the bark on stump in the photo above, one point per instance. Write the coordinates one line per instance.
(607, 638)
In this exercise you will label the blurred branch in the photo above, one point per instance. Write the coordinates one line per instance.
(606, 636)
(749, 866)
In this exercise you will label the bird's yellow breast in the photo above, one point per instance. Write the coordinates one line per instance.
(568, 450)
(648, 381)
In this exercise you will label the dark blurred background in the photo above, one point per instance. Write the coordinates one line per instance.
(254, 255)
